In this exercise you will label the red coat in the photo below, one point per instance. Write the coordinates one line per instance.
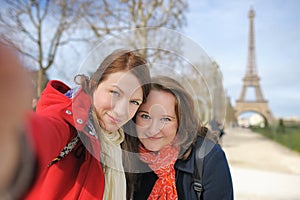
(77, 176)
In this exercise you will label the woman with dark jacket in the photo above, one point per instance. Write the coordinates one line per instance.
(172, 148)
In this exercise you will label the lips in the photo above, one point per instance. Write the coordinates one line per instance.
(152, 138)
(113, 120)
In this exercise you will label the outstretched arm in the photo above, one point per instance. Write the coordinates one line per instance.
(15, 91)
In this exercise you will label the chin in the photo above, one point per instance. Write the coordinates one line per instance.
(152, 148)
(111, 128)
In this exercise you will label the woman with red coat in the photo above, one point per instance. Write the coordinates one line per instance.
(76, 133)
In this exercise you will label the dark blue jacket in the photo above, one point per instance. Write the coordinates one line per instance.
(216, 177)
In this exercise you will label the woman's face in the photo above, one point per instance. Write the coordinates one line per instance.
(156, 120)
(117, 99)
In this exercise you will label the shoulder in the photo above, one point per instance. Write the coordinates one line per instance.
(215, 164)
(207, 146)
(56, 102)
(217, 180)
(211, 152)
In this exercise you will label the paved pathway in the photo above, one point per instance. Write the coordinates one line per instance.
(261, 169)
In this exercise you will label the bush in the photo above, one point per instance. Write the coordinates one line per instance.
(290, 138)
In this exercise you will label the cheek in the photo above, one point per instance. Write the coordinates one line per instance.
(132, 110)
(102, 102)
(140, 129)
(138, 125)
(171, 131)
(142, 124)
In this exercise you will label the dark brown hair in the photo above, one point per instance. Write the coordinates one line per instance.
(190, 127)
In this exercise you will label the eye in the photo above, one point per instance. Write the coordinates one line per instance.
(135, 102)
(114, 93)
(165, 119)
(145, 116)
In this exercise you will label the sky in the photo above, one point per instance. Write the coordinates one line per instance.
(221, 29)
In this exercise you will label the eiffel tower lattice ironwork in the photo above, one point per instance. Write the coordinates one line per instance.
(251, 80)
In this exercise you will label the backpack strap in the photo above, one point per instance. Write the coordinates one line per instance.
(198, 168)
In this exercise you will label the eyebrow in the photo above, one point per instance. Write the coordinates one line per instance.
(115, 86)
(169, 116)
(142, 111)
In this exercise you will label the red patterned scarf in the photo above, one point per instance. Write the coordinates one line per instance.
(162, 163)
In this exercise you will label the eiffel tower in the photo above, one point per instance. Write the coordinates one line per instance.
(251, 80)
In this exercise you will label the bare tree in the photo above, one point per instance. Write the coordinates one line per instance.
(42, 27)
(108, 17)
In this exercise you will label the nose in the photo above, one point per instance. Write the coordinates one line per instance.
(154, 128)
(120, 108)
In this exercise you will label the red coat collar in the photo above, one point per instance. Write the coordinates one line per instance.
(75, 111)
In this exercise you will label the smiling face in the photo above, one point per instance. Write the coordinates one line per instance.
(156, 120)
(117, 99)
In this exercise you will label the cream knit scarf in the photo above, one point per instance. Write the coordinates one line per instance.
(111, 159)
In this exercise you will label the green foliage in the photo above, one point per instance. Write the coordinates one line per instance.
(290, 138)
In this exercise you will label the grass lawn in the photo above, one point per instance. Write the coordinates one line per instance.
(288, 136)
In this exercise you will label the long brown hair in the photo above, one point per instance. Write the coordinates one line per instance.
(119, 60)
